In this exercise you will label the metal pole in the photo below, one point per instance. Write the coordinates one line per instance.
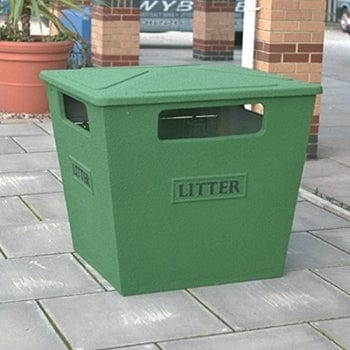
(248, 33)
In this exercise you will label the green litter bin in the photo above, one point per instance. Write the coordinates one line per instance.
(180, 176)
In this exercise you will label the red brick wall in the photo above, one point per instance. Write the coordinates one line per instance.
(289, 41)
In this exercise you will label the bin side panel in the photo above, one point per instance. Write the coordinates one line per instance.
(168, 244)
(84, 167)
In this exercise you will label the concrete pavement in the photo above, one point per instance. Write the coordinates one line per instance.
(51, 299)
(330, 174)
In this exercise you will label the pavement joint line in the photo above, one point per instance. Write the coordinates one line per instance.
(159, 342)
(338, 161)
(26, 171)
(325, 241)
(90, 273)
(18, 153)
(31, 194)
(39, 193)
(330, 282)
(244, 331)
(212, 312)
(94, 273)
(38, 255)
(15, 120)
(30, 208)
(34, 256)
(37, 124)
(18, 144)
(3, 253)
(128, 346)
(321, 228)
(324, 204)
(324, 334)
(80, 294)
(51, 171)
(28, 194)
(54, 326)
(34, 152)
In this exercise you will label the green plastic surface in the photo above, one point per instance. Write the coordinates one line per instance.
(163, 84)
(161, 200)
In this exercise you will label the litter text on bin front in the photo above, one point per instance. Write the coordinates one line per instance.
(200, 188)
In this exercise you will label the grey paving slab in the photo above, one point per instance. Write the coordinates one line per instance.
(344, 199)
(141, 347)
(20, 129)
(323, 168)
(335, 91)
(24, 326)
(151, 56)
(298, 296)
(38, 239)
(329, 128)
(7, 145)
(42, 277)
(331, 149)
(13, 211)
(332, 185)
(338, 237)
(110, 320)
(28, 162)
(308, 252)
(334, 141)
(167, 39)
(309, 217)
(335, 134)
(337, 330)
(45, 125)
(333, 86)
(343, 158)
(336, 98)
(340, 276)
(28, 183)
(339, 115)
(37, 143)
(160, 56)
(328, 83)
(300, 337)
(50, 206)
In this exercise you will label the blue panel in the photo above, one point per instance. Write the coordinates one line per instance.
(79, 21)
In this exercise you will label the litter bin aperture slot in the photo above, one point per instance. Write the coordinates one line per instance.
(76, 112)
(210, 121)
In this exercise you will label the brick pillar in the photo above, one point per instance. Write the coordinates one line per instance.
(213, 30)
(289, 41)
(115, 33)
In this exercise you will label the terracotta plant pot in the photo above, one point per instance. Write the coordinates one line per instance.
(21, 89)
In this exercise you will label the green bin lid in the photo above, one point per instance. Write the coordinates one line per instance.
(163, 84)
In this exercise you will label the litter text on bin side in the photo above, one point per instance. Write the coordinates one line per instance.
(81, 174)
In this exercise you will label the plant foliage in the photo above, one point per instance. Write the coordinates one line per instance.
(21, 12)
